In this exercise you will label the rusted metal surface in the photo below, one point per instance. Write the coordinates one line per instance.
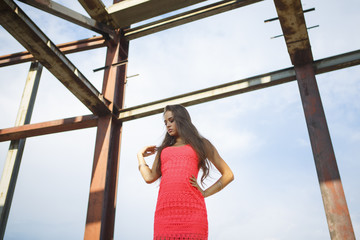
(294, 29)
(237, 87)
(71, 16)
(65, 48)
(14, 20)
(192, 98)
(186, 17)
(293, 25)
(102, 198)
(16, 149)
(276, 18)
(96, 9)
(55, 126)
(332, 192)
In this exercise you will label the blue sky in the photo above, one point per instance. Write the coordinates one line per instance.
(262, 135)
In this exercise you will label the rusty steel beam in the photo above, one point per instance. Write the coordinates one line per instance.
(16, 148)
(96, 9)
(71, 16)
(15, 21)
(238, 87)
(294, 29)
(65, 48)
(253, 83)
(337, 213)
(100, 218)
(209, 94)
(186, 17)
(292, 22)
(55, 126)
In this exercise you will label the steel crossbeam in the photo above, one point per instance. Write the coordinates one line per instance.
(107, 106)
(15, 21)
(240, 86)
(65, 48)
(186, 17)
(43, 128)
(209, 94)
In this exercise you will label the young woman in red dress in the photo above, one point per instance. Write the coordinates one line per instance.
(180, 210)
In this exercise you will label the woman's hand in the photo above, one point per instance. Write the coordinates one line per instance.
(147, 151)
(194, 183)
(150, 175)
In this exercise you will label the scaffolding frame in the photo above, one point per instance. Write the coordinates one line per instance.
(107, 107)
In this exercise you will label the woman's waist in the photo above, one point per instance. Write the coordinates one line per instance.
(179, 172)
(179, 189)
(175, 184)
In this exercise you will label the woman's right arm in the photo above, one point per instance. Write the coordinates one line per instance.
(149, 175)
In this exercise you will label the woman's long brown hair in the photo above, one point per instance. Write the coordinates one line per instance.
(189, 133)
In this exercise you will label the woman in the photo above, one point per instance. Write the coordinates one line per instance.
(180, 209)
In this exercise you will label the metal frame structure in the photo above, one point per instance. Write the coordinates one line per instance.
(108, 112)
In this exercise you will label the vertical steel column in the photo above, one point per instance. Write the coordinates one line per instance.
(337, 213)
(13, 158)
(102, 200)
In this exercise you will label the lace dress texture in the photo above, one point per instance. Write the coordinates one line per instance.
(180, 210)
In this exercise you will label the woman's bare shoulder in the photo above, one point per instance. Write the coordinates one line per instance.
(209, 147)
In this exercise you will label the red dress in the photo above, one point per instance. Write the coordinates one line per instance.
(180, 209)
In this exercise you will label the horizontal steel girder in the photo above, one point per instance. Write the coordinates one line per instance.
(65, 48)
(293, 25)
(205, 95)
(55, 126)
(14, 20)
(186, 17)
(240, 86)
(127, 12)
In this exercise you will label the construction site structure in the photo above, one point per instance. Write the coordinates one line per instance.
(107, 107)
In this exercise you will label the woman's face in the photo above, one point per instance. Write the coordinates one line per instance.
(170, 124)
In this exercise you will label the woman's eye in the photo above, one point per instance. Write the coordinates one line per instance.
(170, 121)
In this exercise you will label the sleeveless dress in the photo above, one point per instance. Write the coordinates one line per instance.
(180, 209)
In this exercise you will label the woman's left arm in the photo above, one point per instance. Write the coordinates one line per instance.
(226, 174)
